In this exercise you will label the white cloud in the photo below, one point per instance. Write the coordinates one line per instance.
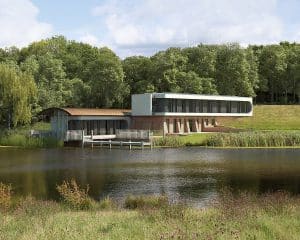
(156, 24)
(19, 24)
(90, 39)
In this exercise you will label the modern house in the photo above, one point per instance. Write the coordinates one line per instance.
(168, 113)
(185, 113)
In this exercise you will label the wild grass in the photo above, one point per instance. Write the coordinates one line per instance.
(196, 139)
(232, 216)
(146, 202)
(169, 141)
(268, 117)
(19, 137)
(20, 140)
(255, 139)
(5, 196)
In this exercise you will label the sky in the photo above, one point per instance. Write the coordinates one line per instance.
(143, 27)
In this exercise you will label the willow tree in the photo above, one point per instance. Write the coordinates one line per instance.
(17, 93)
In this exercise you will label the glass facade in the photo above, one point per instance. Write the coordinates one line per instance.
(199, 106)
(99, 127)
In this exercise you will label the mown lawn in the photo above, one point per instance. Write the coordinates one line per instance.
(269, 117)
(197, 139)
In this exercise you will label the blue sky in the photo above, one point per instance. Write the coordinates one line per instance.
(136, 27)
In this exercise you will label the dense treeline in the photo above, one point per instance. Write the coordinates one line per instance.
(57, 72)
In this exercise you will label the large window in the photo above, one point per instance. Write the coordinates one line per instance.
(199, 106)
(99, 127)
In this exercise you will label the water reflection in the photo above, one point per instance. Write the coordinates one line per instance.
(192, 174)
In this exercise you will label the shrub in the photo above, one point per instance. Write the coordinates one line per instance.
(107, 203)
(171, 141)
(146, 202)
(74, 196)
(5, 196)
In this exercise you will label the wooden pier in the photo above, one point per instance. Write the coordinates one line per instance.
(123, 138)
(121, 144)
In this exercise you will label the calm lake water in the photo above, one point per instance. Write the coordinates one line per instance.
(195, 175)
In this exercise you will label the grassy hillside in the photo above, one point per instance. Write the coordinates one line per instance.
(269, 117)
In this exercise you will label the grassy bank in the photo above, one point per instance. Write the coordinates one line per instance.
(19, 137)
(270, 126)
(241, 216)
(269, 117)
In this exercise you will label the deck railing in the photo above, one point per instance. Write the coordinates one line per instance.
(133, 134)
(73, 135)
(129, 134)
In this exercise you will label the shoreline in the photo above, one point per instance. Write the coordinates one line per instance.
(163, 147)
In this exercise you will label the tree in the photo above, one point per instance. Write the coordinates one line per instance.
(165, 67)
(137, 76)
(293, 73)
(272, 69)
(233, 71)
(106, 79)
(202, 60)
(51, 82)
(17, 92)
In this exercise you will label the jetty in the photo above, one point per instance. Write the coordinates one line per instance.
(122, 139)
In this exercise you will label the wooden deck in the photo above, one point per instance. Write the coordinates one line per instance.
(122, 139)
(121, 144)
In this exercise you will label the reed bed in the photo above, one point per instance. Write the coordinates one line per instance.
(169, 141)
(255, 139)
(20, 140)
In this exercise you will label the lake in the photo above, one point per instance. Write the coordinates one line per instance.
(195, 175)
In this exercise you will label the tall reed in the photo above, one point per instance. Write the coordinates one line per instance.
(171, 141)
(255, 139)
(20, 140)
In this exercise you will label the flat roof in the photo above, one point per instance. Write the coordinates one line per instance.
(89, 111)
(200, 96)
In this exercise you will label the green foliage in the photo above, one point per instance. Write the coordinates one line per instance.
(106, 80)
(21, 140)
(169, 141)
(272, 68)
(17, 93)
(56, 72)
(255, 139)
(146, 202)
(74, 196)
(233, 72)
(107, 203)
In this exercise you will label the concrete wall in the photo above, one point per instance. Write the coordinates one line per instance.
(168, 125)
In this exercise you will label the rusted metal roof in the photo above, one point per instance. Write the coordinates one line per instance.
(89, 111)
